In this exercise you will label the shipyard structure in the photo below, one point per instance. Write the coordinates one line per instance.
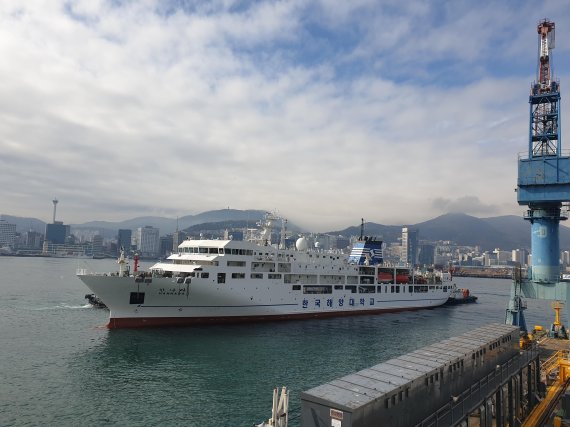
(492, 376)
(543, 186)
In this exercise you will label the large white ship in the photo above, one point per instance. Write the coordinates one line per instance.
(227, 281)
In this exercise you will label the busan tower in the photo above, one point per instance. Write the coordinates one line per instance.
(543, 185)
(54, 201)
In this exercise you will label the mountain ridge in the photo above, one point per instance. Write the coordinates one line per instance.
(504, 232)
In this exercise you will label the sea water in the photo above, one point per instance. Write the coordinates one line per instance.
(59, 364)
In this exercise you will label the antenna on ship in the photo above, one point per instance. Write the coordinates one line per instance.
(283, 233)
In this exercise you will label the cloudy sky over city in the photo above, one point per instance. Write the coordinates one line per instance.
(326, 111)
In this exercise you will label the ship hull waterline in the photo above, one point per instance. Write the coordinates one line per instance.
(188, 306)
(149, 322)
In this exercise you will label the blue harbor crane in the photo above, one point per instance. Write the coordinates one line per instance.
(544, 186)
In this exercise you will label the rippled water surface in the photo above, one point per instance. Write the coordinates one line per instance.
(59, 365)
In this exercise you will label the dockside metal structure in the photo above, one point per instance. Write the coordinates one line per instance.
(482, 371)
(543, 185)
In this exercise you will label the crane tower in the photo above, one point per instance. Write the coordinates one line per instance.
(543, 185)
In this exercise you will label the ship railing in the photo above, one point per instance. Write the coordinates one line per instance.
(85, 272)
(523, 155)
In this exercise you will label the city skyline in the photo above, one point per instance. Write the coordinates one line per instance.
(324, 111)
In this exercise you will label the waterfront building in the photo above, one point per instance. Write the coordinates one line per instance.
(57, 233)
(148, 242)
(7, 234)
(502, 257)
(177, 238)
(124, 240)
(97, 244)
(565, 258)
(166, 244)
(426, 254)
(342, 243)
(392, 253)
(409, 254)
(32, 240)
(68, 250)
(478, 261)
(443, 254)
(519, 256)
(516, 255)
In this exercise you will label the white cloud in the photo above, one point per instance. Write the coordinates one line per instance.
(138, 109)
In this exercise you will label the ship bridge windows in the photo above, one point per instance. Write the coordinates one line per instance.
(304, 279)
(317, 289)
(236, 263)
(268, 267)
(238, 275)
(331, 279)
(233, 251)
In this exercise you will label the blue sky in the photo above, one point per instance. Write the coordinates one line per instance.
(326, 111)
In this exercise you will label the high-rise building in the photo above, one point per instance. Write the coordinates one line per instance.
(148, 242)
(32, 240)
(409, 254)
(565, 258)
(177, 238)
(166, 245)
(7, 234)
(427, 254)
(124, 239)
(57, 232)
(97, 244)
(519, 256)
(502, 257)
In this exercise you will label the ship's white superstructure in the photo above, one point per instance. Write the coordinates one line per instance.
(217, 281)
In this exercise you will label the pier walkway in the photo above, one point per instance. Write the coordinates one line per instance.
(481, 378)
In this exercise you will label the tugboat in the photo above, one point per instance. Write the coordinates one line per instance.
(460, 296)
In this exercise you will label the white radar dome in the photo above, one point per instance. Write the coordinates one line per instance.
(301, 244)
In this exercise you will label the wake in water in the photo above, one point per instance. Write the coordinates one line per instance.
(63, 306)
(490, 293)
